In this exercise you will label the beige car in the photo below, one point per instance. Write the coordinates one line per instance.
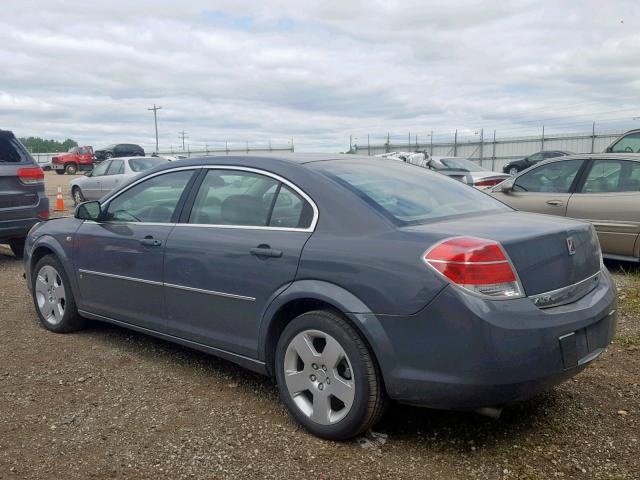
(603, 189)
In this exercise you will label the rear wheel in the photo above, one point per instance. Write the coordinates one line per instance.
(513, 170)
(327, 376)
(77, 195)
(60, 172)
(17, 247)
(71, 168)
(53, 297)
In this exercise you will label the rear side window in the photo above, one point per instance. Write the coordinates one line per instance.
(406, 193)
(12, 151)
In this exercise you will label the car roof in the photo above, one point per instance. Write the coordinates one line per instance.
(600, 156)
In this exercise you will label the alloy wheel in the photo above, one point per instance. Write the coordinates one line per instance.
(319, 377)
(50, 295)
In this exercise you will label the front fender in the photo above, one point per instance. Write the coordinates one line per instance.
(344, 301)
(52, 244)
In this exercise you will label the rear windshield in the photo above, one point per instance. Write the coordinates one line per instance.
(461, 164)
(408, 194)
(142, 164)
(12, 151)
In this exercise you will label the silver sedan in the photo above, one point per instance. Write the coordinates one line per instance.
(108, 175)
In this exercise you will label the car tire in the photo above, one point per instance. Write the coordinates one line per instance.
(60, 172)
(76, 193)
(17, 247)
(53, 297)
(336, 393)
(107, 156)
(513, 170)
(71, 169)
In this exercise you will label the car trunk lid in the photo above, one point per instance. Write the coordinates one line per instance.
(547, 252)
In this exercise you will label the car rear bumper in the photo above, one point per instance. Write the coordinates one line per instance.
(16, 222)
(464, 353)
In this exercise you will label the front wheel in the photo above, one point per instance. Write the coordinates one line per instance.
(60, 172)
(513, 170)
(327, 376)
(78, 198)
(53, 297)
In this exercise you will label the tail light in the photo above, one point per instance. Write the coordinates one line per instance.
(31, 175)
(477, 265)
(489, 183)
(43, 214)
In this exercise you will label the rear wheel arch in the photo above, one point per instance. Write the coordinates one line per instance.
(306, 296)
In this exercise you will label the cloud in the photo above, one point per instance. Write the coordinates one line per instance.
(317, 72)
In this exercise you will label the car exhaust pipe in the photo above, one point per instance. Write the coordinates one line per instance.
(491, 412)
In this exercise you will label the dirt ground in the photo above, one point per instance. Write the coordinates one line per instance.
(110, 403)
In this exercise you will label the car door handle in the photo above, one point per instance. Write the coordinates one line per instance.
(265, 251)
(555, 203)
(149, 241)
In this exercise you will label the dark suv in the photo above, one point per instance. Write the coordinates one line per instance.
(518, 165)
(118, 150)
(23, 202)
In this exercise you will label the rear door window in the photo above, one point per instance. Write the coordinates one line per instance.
(248, 199)
(116, 167)
(608, 176)
(627, 144)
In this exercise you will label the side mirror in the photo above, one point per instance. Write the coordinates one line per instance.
(506, 186)
(88, 211)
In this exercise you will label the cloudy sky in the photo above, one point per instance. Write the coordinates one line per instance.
(315, 71)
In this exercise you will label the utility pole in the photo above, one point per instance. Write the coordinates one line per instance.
(155, 120)
(182, 135)
(542, 143)
(455, 144)
(350, 143)
(481, 145)
(431, 152)
(493, 156)
(368, 145)
(593, 136)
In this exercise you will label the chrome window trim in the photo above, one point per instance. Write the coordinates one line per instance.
(568, 294)
(170, 285)
(258, 171)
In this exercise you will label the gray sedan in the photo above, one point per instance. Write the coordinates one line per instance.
(351, 280)
(110, 174)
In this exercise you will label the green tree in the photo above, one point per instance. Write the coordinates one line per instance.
(41, 145)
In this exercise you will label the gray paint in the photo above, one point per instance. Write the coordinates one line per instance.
(436, 345)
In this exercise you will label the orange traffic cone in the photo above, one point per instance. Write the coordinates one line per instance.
(59, 201)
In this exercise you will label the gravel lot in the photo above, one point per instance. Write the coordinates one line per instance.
(109, 403)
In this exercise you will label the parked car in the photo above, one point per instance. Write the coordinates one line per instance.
(519, 165)
(78, 158)
(23, 202)
(629, 142)
(477, 176)
(108, 175)
(603, 189)
(351, 280)
(118, 150)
